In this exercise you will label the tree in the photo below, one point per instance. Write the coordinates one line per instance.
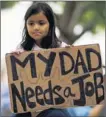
(7, 4)
(90, 15)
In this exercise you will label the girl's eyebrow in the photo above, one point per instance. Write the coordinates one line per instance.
(30, 21)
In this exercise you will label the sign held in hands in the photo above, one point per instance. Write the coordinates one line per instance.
(57, 78)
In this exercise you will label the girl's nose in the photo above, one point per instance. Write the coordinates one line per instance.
(36, 27)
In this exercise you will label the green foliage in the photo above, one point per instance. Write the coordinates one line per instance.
(62, 4)
(7, 4)
(94, 14)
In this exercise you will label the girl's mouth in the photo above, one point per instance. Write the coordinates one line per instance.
(37, 33)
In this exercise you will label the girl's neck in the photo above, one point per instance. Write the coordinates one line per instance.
(38, 43)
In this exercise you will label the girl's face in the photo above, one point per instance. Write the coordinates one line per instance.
(37, 26)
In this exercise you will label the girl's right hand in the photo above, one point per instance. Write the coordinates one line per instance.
(17, 52)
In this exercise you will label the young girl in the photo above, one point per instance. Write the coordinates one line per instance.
(39, 29)
(39, 33)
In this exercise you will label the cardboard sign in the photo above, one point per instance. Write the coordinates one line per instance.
(57, 78)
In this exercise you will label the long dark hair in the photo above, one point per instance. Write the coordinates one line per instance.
(50, 41)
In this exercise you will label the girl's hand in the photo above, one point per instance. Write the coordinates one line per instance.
(68, 46)
(17, 52)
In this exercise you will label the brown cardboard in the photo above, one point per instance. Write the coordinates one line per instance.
(37, 80)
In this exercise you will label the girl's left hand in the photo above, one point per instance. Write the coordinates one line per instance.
(68, 46)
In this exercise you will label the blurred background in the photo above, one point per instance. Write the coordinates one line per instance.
(77, 23)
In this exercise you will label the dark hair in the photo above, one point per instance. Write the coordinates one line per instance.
(50, 41)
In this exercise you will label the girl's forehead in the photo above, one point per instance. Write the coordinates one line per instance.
(37, 16)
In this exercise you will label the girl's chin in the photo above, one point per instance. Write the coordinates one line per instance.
(37, 39)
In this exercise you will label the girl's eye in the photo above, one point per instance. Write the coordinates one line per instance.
(30, 23)
(41, 23)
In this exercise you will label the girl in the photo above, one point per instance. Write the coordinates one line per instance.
(39, 29)
(39, 33)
